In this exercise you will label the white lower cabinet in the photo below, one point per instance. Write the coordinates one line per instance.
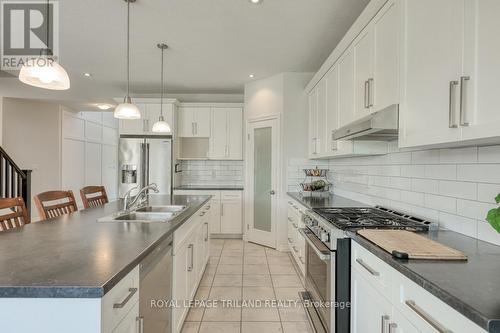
(372, 311)
(296, 242)
(385, 301)
(191, 252)
(226, 211)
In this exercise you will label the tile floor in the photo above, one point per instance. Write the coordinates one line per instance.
(246, 272)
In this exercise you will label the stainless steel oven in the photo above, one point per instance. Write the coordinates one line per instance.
(319, 278)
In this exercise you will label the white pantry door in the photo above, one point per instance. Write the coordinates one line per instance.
(262, 155)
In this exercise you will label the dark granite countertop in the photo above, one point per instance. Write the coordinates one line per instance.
(471, 287)
(322, 202)
(210, 187)
(75, 256)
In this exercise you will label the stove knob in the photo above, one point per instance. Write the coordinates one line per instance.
(325, 237)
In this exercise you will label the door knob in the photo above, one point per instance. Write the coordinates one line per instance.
(272, 192)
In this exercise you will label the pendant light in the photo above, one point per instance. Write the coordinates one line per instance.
(44, 71)
(127, 110)
(161, 125)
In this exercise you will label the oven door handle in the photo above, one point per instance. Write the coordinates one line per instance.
(323, 253)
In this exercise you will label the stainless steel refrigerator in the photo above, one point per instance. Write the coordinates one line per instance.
(145, 159)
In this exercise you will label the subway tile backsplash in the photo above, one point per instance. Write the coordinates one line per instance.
(455, 187)
(212, 173)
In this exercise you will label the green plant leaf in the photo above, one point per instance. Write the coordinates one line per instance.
(497, 199)
(493, 218)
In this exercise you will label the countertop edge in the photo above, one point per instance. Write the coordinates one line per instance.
(86, 292)
(491, 325)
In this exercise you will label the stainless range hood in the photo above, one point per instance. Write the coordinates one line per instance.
(378, 126)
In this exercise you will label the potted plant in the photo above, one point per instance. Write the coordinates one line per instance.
(493, 216)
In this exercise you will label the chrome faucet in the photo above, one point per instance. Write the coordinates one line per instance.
(128, 204)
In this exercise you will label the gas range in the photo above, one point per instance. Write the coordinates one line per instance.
(330, 224)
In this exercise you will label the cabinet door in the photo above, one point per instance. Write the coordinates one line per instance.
(369, 309)
(432, 48)
(180, 284)
(482, 66)
(346, 88)
(218, 140)
(321, 123)
(364, 80)
(135, 126)
(235, 134)
(73, 165)
(400, 324)
(130, 323)
(313, 118)
(186, 122)
(385, 86)
(332, 111)
(214, 216)
(202, 122)
(231, 217)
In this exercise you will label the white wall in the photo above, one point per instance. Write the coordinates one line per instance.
(31, 136)
(264, 97)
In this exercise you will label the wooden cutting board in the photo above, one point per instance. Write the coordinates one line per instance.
(404, 244)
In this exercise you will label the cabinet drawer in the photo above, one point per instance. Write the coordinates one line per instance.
(118, 302)
(231, 195)
(374, 270)
(425, 311)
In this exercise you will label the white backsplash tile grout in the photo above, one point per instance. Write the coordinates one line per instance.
(212, 173)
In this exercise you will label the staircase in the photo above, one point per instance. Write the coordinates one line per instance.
(14, 182)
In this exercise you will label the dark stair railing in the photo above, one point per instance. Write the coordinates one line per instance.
(14, 182)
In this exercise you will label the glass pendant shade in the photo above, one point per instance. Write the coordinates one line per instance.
(44, 72)
(127, 110)
(161, 126)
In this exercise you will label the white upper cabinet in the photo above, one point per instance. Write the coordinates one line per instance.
(385, 86)
(432, 46)
(480, 107)
(313, 123)
(321, 123)
(346, 89)
(332, 114)
(235, 134)
(364, 80)
(194, 122)
(226, 141)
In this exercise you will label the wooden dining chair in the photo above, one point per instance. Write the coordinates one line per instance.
(13, 213)
(93, 196)
(55, 203)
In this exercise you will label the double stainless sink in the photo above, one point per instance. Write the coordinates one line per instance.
(146, 214)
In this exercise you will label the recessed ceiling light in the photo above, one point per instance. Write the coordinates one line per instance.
(104, 106)
(251, 76)
(87, 74)
(255, 1)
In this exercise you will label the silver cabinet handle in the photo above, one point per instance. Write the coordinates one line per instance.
(371, 82)
(192, 128)
(295, 225)
(290, 219)
(290, 240)
(428, 318)
(140, 322)
(463, 100)
(392, 327)
(385, 322)
(366, 95)
(315, 145)
(206, 237)
(295, 249)
(301, 260)
(191, 248)
(368, 268)
(452, 121)
(131, 293)
(222, 209)
(196, 128)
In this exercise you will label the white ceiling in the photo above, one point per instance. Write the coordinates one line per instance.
(214, 44)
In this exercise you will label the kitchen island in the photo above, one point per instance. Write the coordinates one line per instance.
(62, 269)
